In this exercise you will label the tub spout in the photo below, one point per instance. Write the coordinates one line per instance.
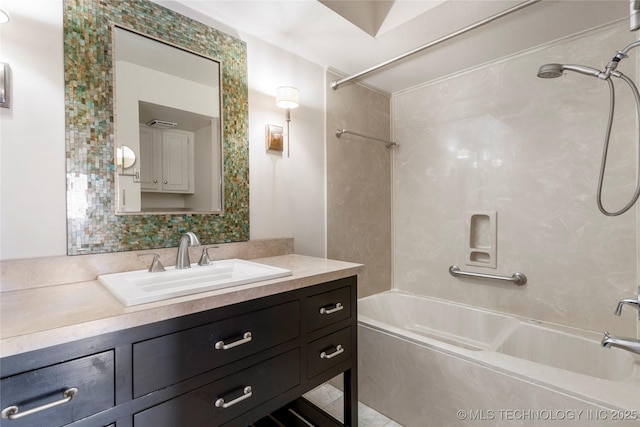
(182, 258)
(628, 344)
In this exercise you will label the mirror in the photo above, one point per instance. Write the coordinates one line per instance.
(106, 155)
(167, 111)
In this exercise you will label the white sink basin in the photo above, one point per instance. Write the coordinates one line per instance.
(141, 286)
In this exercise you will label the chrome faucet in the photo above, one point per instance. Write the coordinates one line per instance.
(629, 301)
(628, 344)
(182, 259)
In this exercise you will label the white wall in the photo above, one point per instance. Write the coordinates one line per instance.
(32, 150)
(287, 194)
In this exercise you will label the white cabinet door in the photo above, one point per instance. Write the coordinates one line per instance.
(150, 159)
(177, 160)
(166, 160)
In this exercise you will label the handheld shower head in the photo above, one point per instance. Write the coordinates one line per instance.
(550, 71)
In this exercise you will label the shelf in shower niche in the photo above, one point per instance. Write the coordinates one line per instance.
(481, 239)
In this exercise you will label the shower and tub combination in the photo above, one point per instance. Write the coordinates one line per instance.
(427, 361)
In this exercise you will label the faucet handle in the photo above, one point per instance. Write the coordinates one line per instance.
(204, 259)
(630, 301)
(156, 266)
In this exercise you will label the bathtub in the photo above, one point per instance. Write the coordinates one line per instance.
(428, 362)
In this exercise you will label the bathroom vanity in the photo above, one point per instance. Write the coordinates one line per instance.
(226, 359)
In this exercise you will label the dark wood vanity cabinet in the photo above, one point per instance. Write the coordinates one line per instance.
(231, 366)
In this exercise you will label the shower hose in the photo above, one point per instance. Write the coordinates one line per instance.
(605, 150)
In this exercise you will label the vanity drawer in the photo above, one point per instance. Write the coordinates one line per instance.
(166, 360)
(327, 308)
(329, 351)
(92, 376)
(240, 392)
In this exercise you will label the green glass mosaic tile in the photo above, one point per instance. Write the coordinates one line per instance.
(92, 224)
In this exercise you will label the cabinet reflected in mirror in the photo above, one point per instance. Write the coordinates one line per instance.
(167, 111)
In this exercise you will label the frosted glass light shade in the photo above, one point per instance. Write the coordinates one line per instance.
(287, 97)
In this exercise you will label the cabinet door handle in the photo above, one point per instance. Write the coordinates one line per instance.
(246, 393)
(12, 412)
(339, 349)
(336, 307)
(220, 345)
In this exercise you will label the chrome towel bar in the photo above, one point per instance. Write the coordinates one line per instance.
(517, 278)
(389, 144)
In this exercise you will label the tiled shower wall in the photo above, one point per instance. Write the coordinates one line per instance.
(359, 183)
(497, 138)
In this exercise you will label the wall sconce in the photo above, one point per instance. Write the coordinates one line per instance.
(5, 84)
(288, 97)
(4, 71)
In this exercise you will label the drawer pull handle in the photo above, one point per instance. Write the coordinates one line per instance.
(220, 345)
(12, 412)
(339, 349)
(246, 393)
(337, 307)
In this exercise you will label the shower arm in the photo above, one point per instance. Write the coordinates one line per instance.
(627, 48)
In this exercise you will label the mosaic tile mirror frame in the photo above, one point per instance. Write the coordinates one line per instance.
(92, 224)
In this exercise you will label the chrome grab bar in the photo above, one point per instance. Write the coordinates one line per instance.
(517, 278)
(388, 144)
(13, 412)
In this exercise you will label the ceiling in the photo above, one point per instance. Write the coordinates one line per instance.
(353, 35)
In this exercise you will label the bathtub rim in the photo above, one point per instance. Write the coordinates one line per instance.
(609, 394)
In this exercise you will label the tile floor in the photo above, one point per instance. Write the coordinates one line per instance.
(329, 398)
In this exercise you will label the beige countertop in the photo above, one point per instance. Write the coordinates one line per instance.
(32, 319)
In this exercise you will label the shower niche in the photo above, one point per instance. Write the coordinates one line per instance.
(481, 239)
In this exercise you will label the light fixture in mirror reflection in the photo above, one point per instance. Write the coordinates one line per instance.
(125, 157)
(108, 133)
(167, 110)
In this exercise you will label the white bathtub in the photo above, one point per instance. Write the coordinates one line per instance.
(427, 359)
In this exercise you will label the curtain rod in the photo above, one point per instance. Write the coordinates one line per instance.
(336, 83)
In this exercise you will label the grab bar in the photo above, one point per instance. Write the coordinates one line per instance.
(388, 144)
(517, 278)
